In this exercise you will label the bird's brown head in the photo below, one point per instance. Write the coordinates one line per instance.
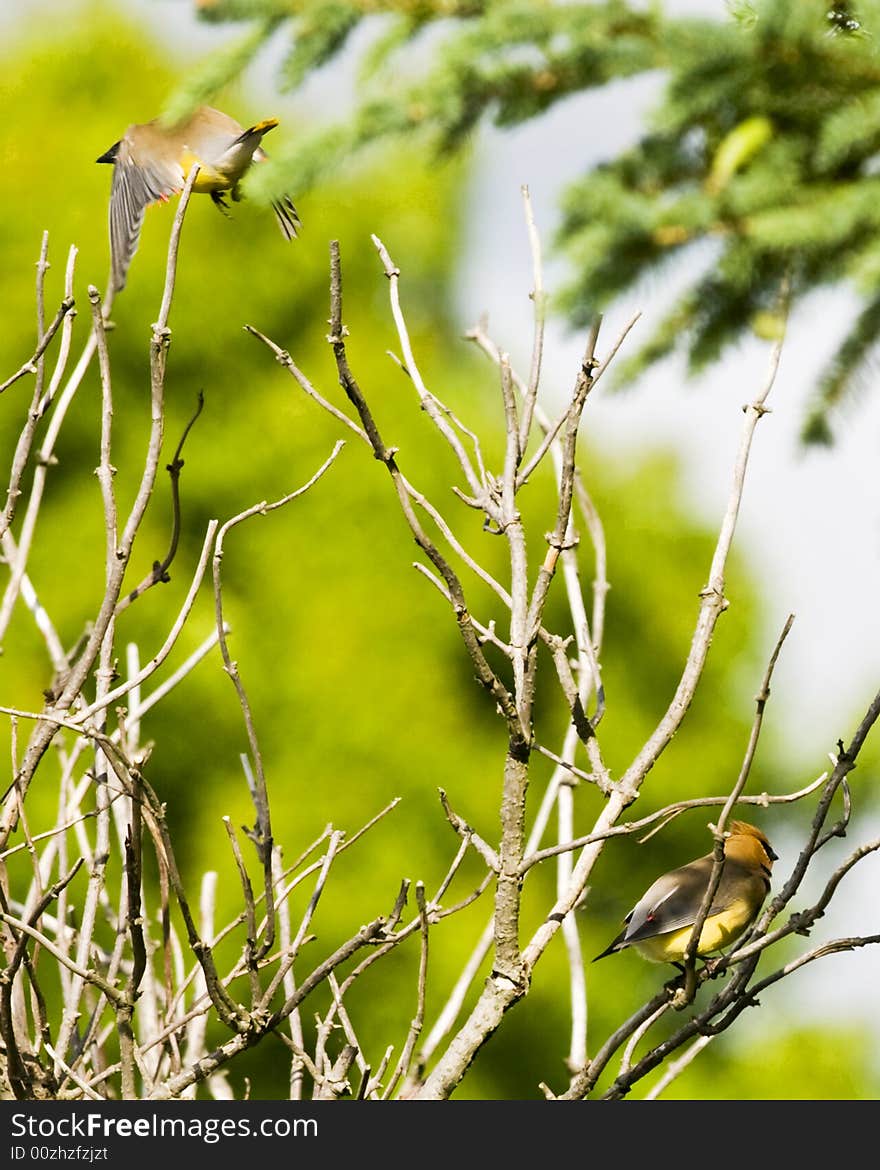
(748, 844)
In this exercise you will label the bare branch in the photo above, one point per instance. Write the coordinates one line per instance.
(30, 366)
(427, 399)
(690, 954)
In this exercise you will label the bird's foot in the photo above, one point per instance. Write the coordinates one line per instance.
(710, 966)
(220, 203)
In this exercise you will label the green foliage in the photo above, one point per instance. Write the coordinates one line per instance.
(802, 203)
(511, 60)
(221, 68)
(320, 37)
(764, 142)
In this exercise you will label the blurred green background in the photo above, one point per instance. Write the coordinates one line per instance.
(360, 688)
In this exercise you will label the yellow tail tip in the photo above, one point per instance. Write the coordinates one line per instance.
(266, 125)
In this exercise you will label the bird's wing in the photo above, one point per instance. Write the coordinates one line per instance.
(740, 883)
(217, 141)
(137, 182)
(673, 901)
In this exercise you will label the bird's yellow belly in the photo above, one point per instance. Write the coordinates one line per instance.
(208, 179)
(718, 930)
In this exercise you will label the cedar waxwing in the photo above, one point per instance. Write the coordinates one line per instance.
(151, 162)
(659, 926)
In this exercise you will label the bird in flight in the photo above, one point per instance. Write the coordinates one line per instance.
(151, 162)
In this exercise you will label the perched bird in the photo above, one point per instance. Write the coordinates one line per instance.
(660, 924)
(152, 161)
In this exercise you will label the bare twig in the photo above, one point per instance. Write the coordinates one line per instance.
(262, 832)
(690, 953)
(159, 572)
(44, 732)
(428, 401)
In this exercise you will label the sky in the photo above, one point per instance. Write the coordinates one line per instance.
(809, 522)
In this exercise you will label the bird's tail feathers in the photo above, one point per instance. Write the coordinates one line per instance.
(288, 219)
(609, 950)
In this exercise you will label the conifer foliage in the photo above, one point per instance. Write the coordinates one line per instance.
(760, 155)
